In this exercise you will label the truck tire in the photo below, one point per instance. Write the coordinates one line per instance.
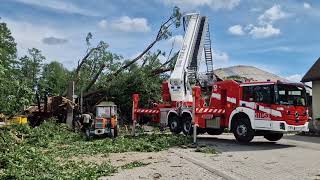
(175, 125)
(215, 131)
(273, 136)
(200, 131)
(243, 131)
(187, 127)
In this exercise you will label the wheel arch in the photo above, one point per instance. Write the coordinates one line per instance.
(170, 114)
(186, 113)
(241, 112)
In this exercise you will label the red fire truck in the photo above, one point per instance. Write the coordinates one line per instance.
(246, 109)
(249, 109)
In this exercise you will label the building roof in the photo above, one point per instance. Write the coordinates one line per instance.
(243, 73)
(105, 104)
(313, 74)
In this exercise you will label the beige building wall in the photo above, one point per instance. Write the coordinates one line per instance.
(316, 98)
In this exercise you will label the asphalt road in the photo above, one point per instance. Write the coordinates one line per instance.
(293, 157)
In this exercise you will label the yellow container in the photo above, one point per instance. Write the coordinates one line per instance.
(19, 120)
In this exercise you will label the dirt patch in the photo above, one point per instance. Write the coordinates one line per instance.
(161, 165)
(121, 159)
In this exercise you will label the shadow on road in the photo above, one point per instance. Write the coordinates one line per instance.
(310, 139)
(231, 145)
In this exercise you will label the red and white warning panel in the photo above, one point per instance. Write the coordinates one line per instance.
(209, 110)
(147, 111)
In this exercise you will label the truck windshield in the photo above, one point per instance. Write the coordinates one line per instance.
(291, 95)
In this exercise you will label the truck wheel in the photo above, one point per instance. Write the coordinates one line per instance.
(215, 131)
(187, 127)
(242, 130)
(273, 136)
(175, 125)
(200, 130)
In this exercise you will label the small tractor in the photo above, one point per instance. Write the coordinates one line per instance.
(105, 123)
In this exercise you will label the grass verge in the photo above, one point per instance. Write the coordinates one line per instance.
(206, 150)
(134, 164)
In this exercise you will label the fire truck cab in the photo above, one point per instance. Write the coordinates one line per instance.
(254, 108)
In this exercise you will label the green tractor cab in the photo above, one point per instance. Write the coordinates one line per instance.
(105, 123)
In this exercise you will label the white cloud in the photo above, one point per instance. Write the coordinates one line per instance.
(264, 28)
(236, 30)
(273, 14)
(219, 56)
(264, 31)
(295, 77)
(273, 49)
(214, 4)
(31, 35)
(103, 24)
(306, 5)
(128, 24)
(65, 6)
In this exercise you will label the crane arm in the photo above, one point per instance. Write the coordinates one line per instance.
(189, 56)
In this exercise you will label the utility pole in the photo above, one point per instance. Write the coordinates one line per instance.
(70, 96)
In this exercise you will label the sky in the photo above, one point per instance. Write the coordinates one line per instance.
(277, 36)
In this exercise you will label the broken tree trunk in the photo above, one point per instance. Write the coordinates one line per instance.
(162, 34)
(95, 78)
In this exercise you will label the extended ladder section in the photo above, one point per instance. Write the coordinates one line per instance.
(196, 57)
(196, 39)
(208, 51)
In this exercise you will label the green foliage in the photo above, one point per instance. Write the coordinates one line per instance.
(100, 57)
(134, 164)
(175, 19)
(30, 67)
(206, 150)
(54, 78)
(14, 93)
(48, 152)
(177, 14)
(29, 162)
(8, 48)
(137, 79)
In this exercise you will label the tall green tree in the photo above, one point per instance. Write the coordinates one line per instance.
(8, 48)
(54, 78)
(14, 95)
(31, 66)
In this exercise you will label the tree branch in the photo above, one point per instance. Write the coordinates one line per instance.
(83, 60)
(161, 70)
(171, 59)
(94, 79)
